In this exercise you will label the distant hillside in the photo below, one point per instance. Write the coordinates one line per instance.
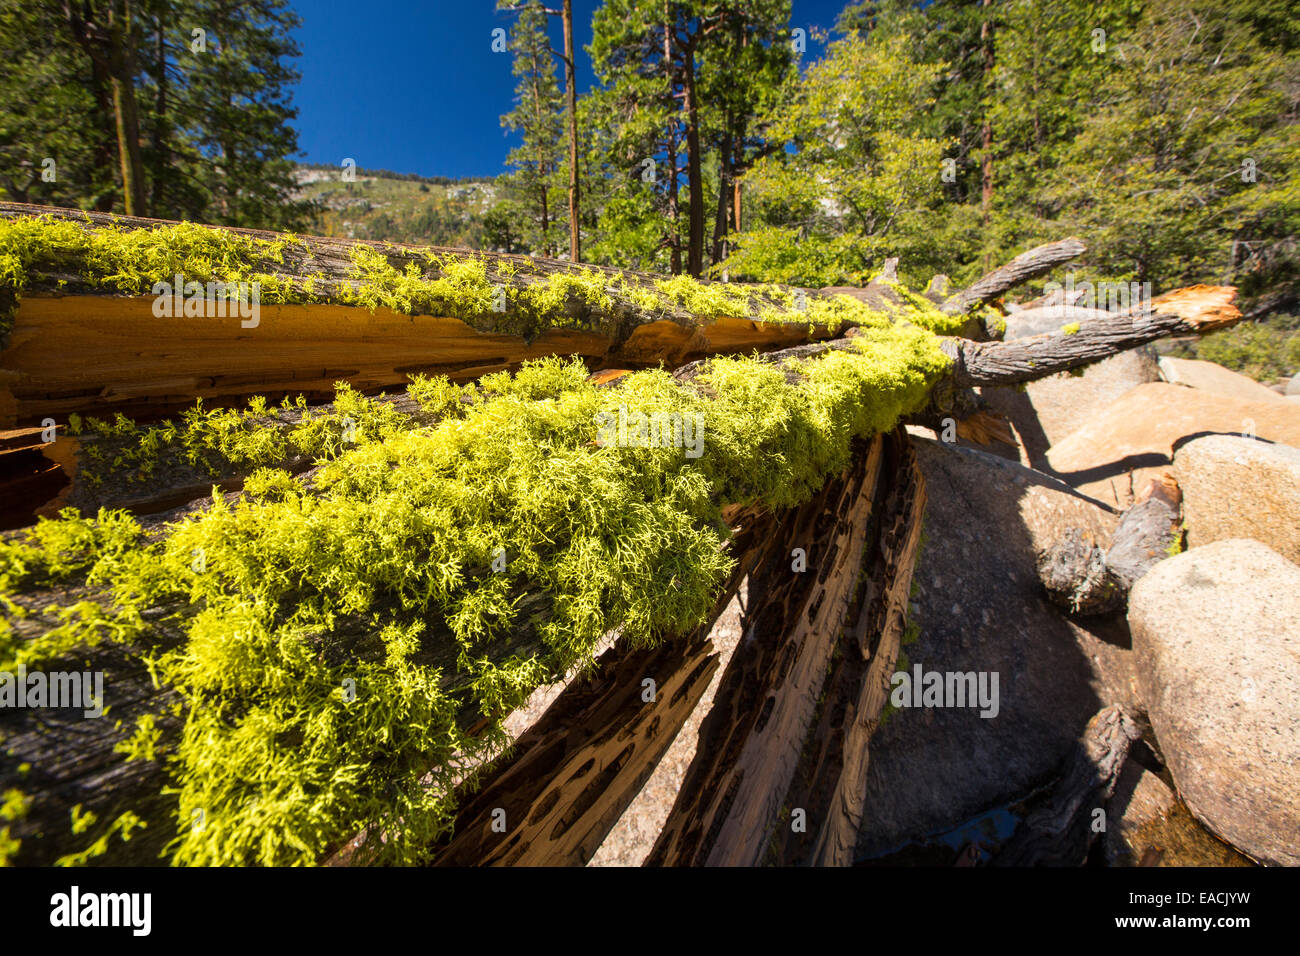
(399, 207)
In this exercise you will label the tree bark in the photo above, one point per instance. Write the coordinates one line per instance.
(722, 214)
(160, 130)
(784, 707)
(573, 772)
(1194, 310)
(1028, 265)
(161, 365)
(112, 44)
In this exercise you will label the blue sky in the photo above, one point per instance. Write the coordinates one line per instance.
(415, 87)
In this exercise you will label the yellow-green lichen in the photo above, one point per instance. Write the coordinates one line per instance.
(296, 735)
(39, 252)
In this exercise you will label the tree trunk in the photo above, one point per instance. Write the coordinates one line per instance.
(1061, 831)
(783, 706)
(746, 771)
(112, 46)
(160, 365)
(675, 237)
(160, 131)
(571, 109)
(986, 130)
(122, 77)
(1083, 579)
(1023, 267)
(694, 175)
(542, 170)
(722, 216)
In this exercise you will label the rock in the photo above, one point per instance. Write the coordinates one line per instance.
(1293, 386)
(1147, 826)
(1241, 488)
(1212, 377)
(1050, 409)
(1040, 321)
(937, 291)
(980, 608)
(1216, 639)
(1123, 446)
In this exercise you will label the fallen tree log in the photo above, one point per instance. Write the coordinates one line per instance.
(1022, 268)
(570, 776)
(112, 470)
(368, 313)
(1082, 578)
(1194, 310)
(1063, 828)
(321, 603)
(830, 783)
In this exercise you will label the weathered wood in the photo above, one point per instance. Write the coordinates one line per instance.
(579, 767)
(94, 776)
(72, 760)
(1061, 830)
(173, 481)
(1022, 268)
(1084, 579)
(1195, 310)
(730, 807)
(569, 777)
(830, 784)
(1148, 533)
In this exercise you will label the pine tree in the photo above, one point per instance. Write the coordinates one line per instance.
(57, 139)
(142, 113)
(538, 115)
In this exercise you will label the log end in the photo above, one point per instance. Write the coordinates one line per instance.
(1203, 307)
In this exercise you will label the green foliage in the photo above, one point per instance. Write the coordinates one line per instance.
(858, 185)
(214, 127)
(334, 640)
(1264, 350)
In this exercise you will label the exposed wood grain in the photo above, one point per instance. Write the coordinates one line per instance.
(730, 808)
(147, 366)
(830, 784)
